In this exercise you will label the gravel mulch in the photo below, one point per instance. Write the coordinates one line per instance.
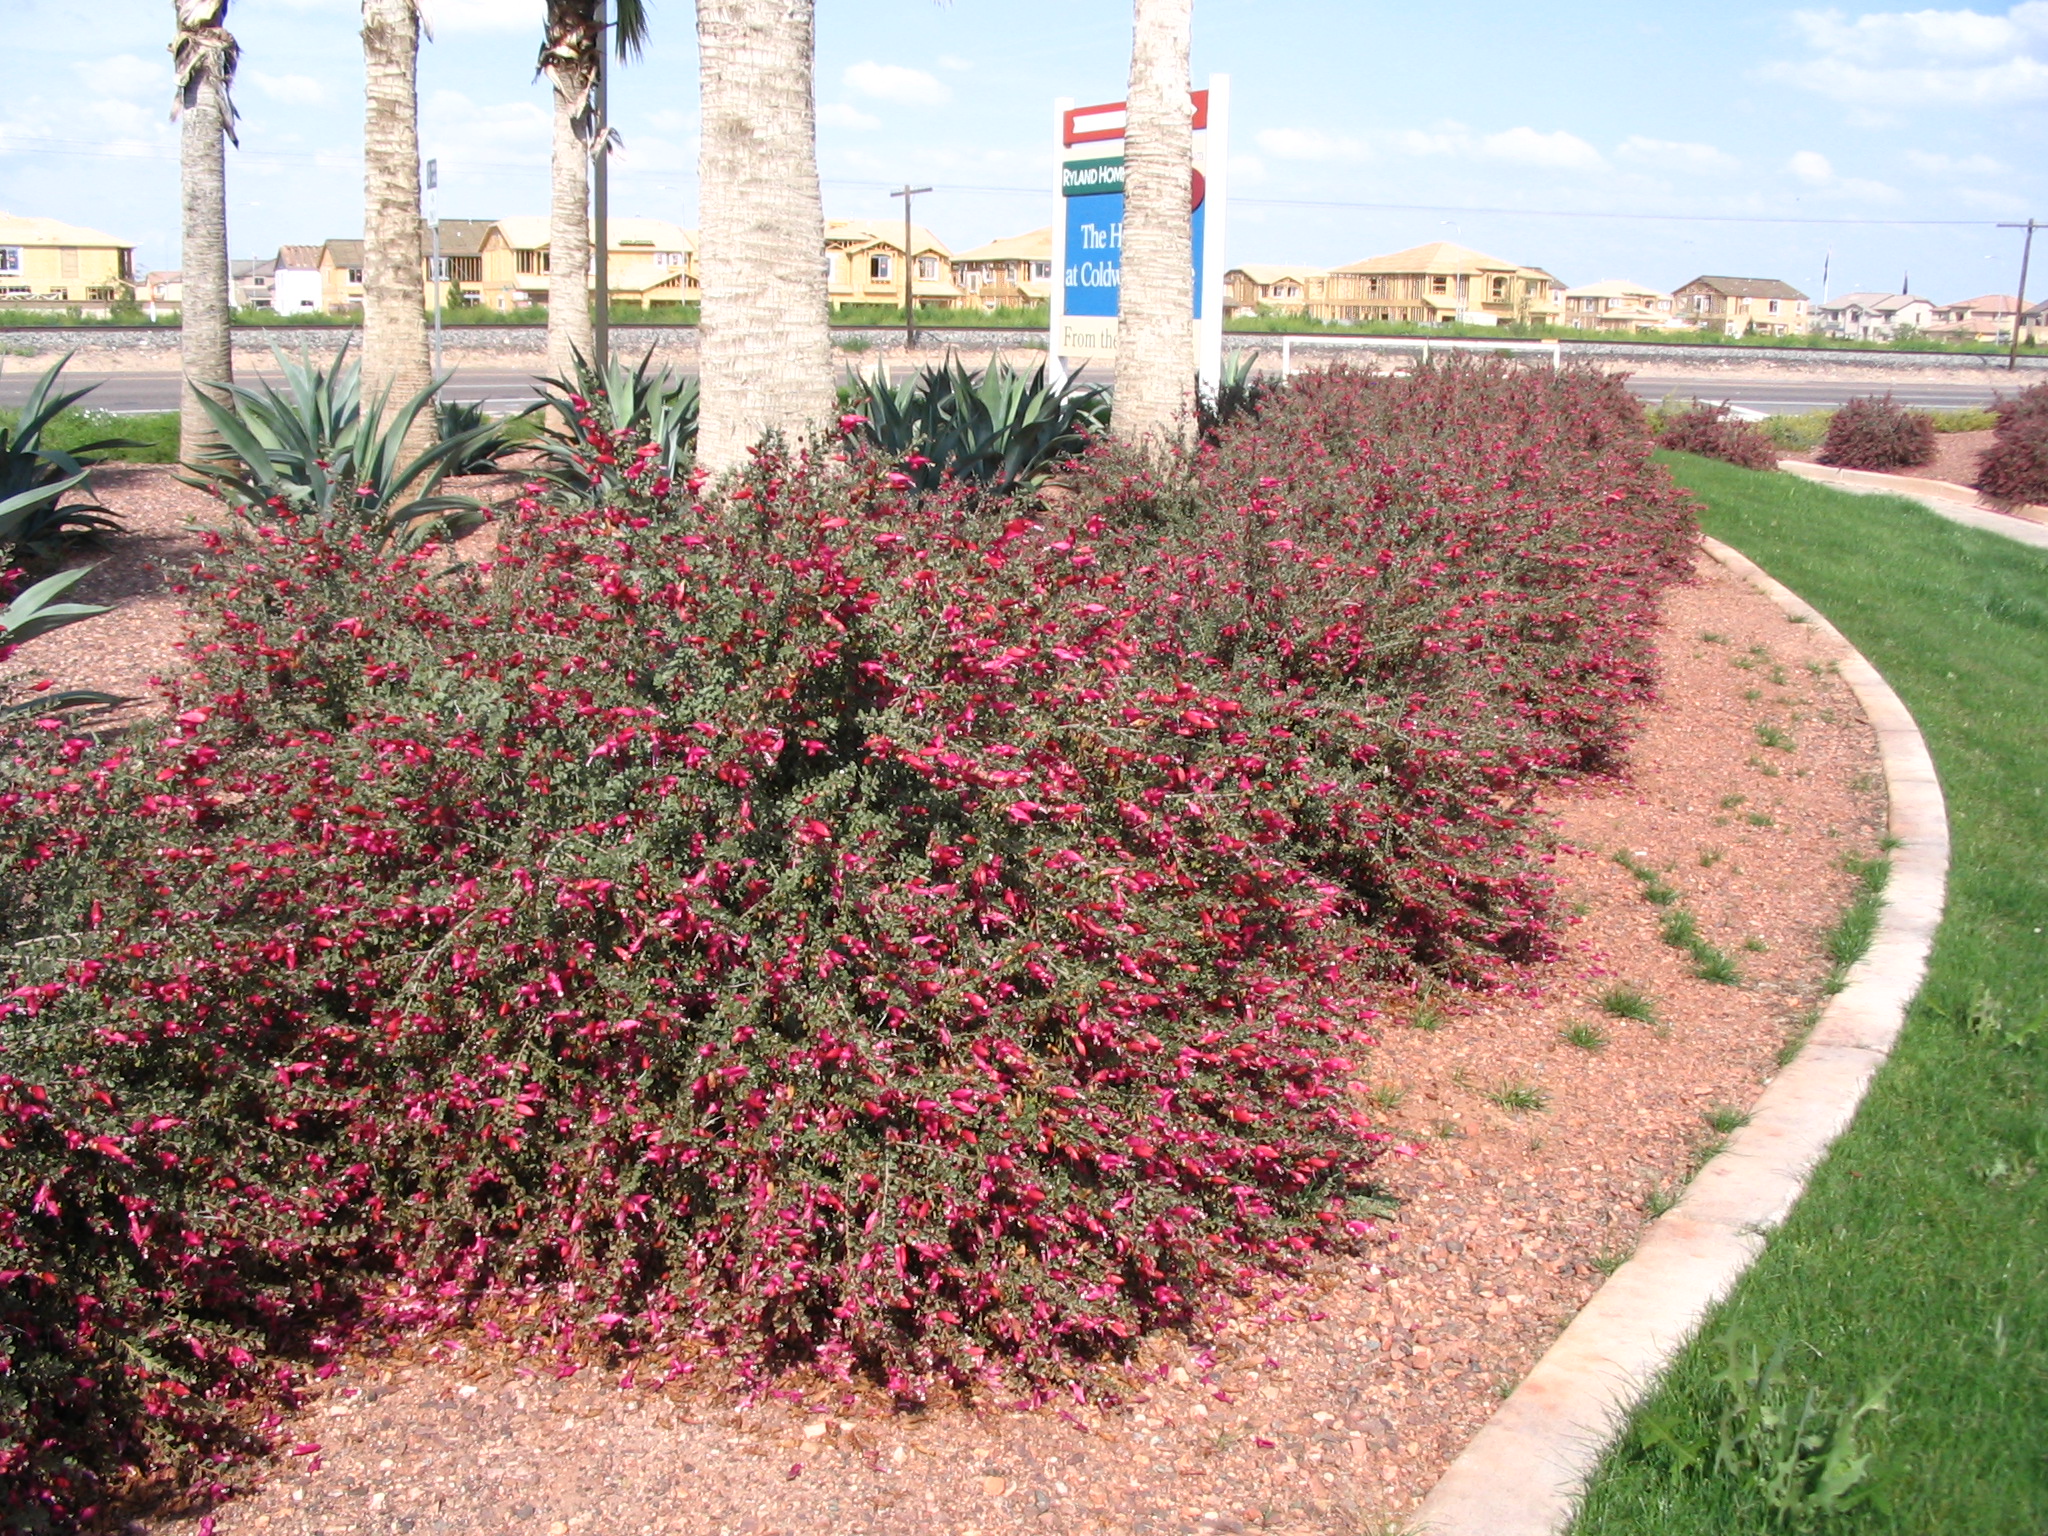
(1330, 1405)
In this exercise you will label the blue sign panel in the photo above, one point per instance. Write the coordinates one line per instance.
(1095, 241)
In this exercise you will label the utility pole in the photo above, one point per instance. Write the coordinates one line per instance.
(909, 269)
(2019, 300)
(601, 203)
(436, 268)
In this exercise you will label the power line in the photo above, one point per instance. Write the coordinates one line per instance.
(470, 167)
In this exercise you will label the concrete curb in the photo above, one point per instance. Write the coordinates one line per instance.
(1524, 1472)
(1955, 508)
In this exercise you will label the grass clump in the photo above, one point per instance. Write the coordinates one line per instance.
(1518, 1097)
(1587, 1037)
(1626, 1000)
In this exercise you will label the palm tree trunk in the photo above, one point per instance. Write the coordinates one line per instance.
(766, 353)
(1155, 344)
(205, 55)
(569, 63)
(394, 279)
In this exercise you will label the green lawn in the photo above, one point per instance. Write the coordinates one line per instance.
(155, 431)
(1921, 1247)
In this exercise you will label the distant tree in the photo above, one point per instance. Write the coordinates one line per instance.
(395, 355)
(204, 56)
(1155, 349)
(765, 348)
(569, 54)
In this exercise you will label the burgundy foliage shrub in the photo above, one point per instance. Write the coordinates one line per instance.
(842, 926)
(1876, 432)
(1712, 432)
(2015, 467)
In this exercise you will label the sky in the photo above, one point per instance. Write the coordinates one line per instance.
(1593, 140)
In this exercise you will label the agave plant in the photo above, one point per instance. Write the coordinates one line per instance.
(311, 451)
(649, 404)
(1238, 393)
(35, 477)
(37, 611)
(999, 427)
(491, 440)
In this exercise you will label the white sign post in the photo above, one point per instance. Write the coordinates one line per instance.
(1087, 231)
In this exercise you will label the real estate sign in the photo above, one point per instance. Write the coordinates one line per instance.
(1088, 235)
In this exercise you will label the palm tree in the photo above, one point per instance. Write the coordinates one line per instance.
(571, 50)
(204, 57)
(1155, 344)
(765, 351)
(394, 280)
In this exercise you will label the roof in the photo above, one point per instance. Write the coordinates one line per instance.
(172, 276)
(306, 258)
(1998, 303)
(1615, 288)
(1437, 256)
(1035, 246)
(1265, 274)
(1745, 287)
(29, 231)
(341, 253)
(253, 268)
(459, 237)
(857, 232)
(1879, 303)
(530, 232)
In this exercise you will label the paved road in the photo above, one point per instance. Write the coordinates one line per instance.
(1775, 396)
(503, 389)
(508, 389)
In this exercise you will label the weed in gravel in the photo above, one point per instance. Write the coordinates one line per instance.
(1389, 1096)
(1760, 819)
(1655, 888)
(1777, 739)
(1755, 945)
(1730, 802)
(1709, 857)
(1608, 1260)
(1725, 1119)
(1751, 695)
(1659, 1200)
(1680, 929)
(1715, 965)
(1796, 1040)
(1711, 638)
(1626, 1000)
(1587, 1037)
(1428, 1017)
(1520, 1097)
(1849, 939)
(1447, 1130)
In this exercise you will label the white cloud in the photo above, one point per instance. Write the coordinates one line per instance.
(1953, 165)
(1814, 168)
(1309, 144)
(444, 16)
(302, 89)
(1897, 58)
(1558, 150)
(954, 61)
(837, 114)
(456, 129)
(1811, 167)
(126, 77)
(898, 83)
(1675, 155)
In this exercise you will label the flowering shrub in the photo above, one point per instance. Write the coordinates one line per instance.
(1876, 432)
(2015, 467)
(1712, 432)
(837, 924)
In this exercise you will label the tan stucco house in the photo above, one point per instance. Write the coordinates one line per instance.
(46, 261)
(1437, 284)
(1003, 274)
(1616, 304)
(864, 265)
(1739, 306)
